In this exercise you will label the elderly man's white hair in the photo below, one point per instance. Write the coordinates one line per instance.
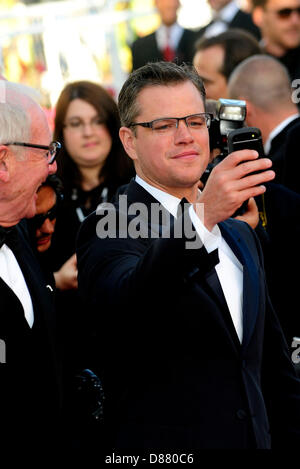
(17, 109)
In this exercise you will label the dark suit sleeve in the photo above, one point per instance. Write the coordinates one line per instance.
(280, 384)
(115, 269)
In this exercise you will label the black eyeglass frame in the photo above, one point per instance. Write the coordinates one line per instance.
(207, 115)
(285, 13)
(53, 151)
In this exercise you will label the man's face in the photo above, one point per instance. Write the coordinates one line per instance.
(176, 160)
(46, 200)
(168, 10)
(280, 32)
(28, 172)
(208, 63)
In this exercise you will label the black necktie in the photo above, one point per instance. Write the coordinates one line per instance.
(9, 236)
(182, 206)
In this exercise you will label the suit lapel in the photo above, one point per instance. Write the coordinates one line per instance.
(250, 279)
(215, 290)
(135, 192)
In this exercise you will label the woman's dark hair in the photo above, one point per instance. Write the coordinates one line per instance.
(118, 167)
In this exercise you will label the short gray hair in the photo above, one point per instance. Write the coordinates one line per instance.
(15, 122)
(263, 80)
(153, 74)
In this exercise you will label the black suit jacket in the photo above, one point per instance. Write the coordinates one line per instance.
(173, 370)
(241, 20)
(145, 49)
(30, 379)
(280, 209)
(284, 153)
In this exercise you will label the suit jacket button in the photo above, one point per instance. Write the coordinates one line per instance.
(241, 414)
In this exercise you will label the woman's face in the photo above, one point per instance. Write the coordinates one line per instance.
(86, 137)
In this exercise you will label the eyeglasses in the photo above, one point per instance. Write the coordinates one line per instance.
(52, 149)
(285, 13)
(39, 219)
(78, 125)
(167, 125)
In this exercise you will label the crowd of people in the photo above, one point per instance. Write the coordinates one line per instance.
(137, 311)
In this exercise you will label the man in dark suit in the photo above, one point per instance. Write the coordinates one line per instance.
(279, 23)
(217, 56)
(265, 85)
(169, 42)
(263, 82)
(29, 375)
(227, 14)
(191, 352)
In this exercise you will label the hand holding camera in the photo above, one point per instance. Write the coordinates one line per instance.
(228, 134)
(237, 178)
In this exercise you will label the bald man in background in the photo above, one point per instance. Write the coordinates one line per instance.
(263, 82)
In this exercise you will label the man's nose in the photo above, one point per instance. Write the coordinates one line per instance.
(47, 226)
(183, 133)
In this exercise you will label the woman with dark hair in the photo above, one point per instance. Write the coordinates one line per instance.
(92, 163)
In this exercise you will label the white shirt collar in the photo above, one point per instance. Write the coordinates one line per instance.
(276, 131)
(174, 33)
(211, 239)
(168, 201)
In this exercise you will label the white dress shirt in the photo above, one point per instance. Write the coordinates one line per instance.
(222, 19)
(12, 275)
(168, 35)
(229, 269)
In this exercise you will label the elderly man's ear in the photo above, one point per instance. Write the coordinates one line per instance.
(4, 172)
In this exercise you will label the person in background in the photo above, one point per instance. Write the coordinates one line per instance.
(93, 164)
(217, 56)
(169, 42)
(82, 406)
(42, 225)
(263, 82)
(279, 23)
(227, 14)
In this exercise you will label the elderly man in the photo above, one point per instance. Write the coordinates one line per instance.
(190, 350)
(30, 390)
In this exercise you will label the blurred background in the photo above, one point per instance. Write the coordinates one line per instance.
(45, 44)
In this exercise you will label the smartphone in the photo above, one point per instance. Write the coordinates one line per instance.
(246, 138)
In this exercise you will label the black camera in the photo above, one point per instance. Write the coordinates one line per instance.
(228, 115)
